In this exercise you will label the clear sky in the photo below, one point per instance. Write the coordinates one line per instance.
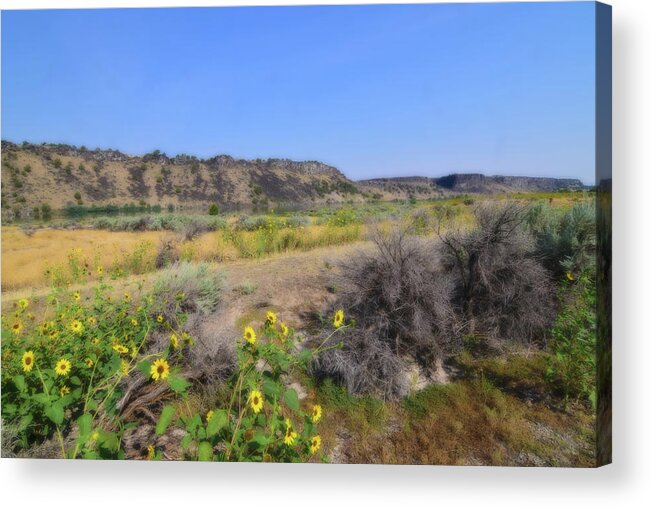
(374, 90)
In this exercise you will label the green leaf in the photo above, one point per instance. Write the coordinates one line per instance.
(217, 422)
(114, 364)
(109, 441)
(55, 413)
(305, 355)
(91, 405)
(261, 439)
(193, 423)
(85, 423)
(42, 398)
(165, 419)
(291, 399)
(593, 399)
(178, 384)
(271, 389)
(205, 451)
(144, 367)
(19, 381)
(186, 441)
(25, 421)
(9, 409)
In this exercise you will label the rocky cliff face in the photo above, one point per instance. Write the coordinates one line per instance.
(478, 183)
(62, 175)
(469, 184)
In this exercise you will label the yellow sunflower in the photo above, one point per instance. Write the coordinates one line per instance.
(256, 400)
(76, 296)
(64, 390)
(316, 413)
(290, 434)
(89, 362)
(174, 341)
(187, 338)
(271, 318)
(17, 327)
(315, 444)
(160, 369)
(92, 321)
(284, 330)
(249, 335)
(339, 319)
(209, 415)
(127, 297)
(134, 322)
(120, 349)
(53, 334)
(62, 367)
(124, 367)
(76, 326)
(100, 270)
(23, 303)
(160, 319)
(28, 361)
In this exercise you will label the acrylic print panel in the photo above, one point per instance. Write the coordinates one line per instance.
(325, 234)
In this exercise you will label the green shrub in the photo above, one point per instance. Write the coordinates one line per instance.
(246, 288)
(46, 211)
(574, 339)
(213, 209)
(567, 240)
(191, 288)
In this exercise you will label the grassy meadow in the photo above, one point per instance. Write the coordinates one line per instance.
(348, 334)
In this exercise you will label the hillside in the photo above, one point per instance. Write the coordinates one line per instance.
(467, 184)
(60, 175)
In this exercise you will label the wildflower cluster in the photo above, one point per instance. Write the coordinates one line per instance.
(65, 371)
(264, 420)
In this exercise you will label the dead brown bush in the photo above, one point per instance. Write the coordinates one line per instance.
(502, 290)
(401, 305)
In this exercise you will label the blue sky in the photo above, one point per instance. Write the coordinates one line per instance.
(374, 90)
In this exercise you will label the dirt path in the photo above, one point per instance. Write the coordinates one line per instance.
(294, 285)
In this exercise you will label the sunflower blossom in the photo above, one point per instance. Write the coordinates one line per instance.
(76, 326)
(174, 341)
(28, 361)
(17, 328)
(160, 369)
(62, 367)
(316, 413)
(338, 319)
(249, 335)
(315, 444)
(256, 401)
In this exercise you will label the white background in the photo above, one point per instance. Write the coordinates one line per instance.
(626, 482)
